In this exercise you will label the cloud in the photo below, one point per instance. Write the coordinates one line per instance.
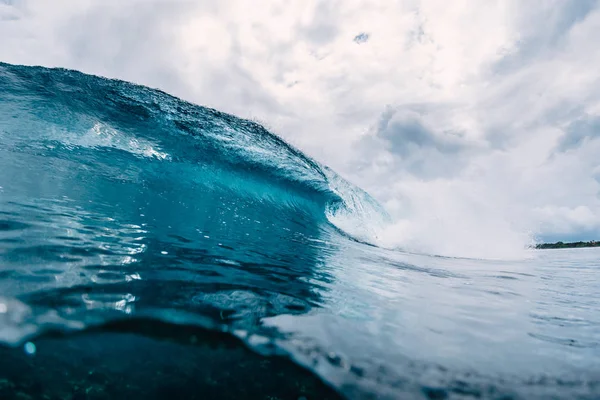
(415, 144)
(361, 38)
(321, 27)
(568, 223)
(578, 131)
(484, 112)
(407, 132)
(543, 28)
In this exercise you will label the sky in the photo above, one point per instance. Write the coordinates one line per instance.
(471, 121)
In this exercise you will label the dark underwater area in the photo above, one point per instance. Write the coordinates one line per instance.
(151, 248)
(147, 359)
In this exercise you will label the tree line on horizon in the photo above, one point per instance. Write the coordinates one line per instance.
(569, 245)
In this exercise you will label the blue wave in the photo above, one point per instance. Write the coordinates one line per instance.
(106, 182)
(67, 114)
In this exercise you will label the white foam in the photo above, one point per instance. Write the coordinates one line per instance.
(444, 220)
(455, 221)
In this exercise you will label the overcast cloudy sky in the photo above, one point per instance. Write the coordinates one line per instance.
(470, 119)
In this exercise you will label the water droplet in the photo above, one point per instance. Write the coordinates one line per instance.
(30, 348)
(164, 252)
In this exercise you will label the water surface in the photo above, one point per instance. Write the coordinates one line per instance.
(152, 248)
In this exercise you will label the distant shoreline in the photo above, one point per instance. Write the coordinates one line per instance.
(571, 245)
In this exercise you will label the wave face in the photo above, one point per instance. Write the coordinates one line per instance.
(132, 222)
(103, 176)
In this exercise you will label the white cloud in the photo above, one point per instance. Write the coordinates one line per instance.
(568, 222)
(475, 119)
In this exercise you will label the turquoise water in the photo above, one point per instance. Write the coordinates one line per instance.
(151, 248)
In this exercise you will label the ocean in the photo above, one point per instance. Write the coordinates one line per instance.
(151, 248)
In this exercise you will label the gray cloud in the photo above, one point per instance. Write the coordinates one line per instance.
(361, 38)
(323, 27)
(556, 19)
(406, 131)
(416, 145)
(578, 131)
